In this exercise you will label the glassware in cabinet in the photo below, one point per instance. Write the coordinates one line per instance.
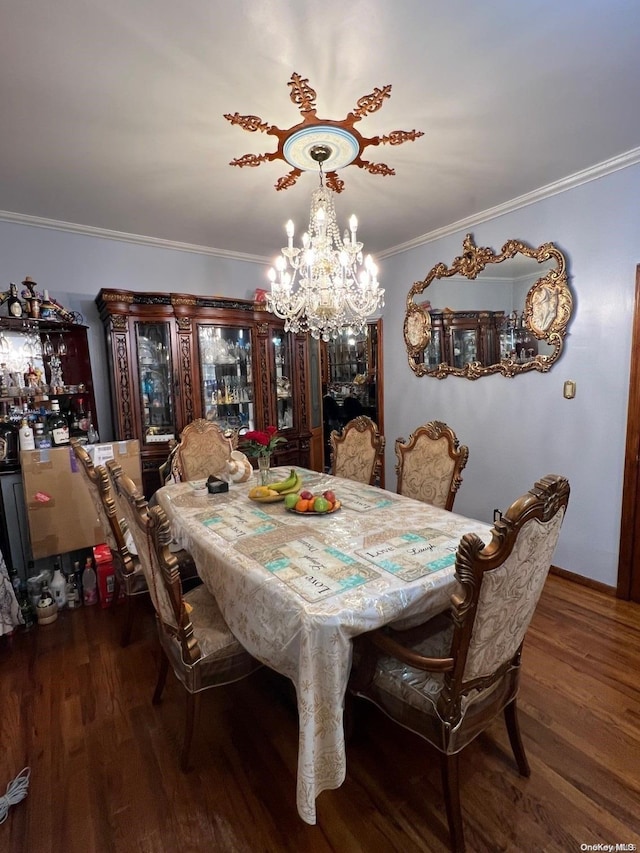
(155, 372)
(227, 392)
(283, 376)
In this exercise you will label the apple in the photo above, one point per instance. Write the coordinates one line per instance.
(306, 495)
(330, 496)
(321, 504)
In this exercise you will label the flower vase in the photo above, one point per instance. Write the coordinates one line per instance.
(264, 464)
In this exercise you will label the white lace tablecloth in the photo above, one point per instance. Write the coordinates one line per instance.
(295, 589)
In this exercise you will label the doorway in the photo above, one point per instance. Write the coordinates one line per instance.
(629, 560)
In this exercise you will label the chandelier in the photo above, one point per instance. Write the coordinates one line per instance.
(335, 289)
(325, 286)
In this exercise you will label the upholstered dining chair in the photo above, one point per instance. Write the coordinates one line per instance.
(430, 464)
(129, 576)
(357, 452)
(194, 638)
(448, 679)
(203, 449)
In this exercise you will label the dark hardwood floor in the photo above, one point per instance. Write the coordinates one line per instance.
(76, 708)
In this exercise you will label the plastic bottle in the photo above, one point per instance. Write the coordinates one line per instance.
(58, 587)
(89, 583)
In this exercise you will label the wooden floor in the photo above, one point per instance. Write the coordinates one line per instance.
(76, 708)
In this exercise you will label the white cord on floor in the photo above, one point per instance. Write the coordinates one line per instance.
(16, 791)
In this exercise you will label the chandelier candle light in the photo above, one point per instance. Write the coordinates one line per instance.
(335, 288)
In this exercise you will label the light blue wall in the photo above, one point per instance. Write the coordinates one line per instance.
(517, 429)
(522, 428)
(75, 267)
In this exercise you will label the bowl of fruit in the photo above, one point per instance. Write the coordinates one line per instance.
(277, 491)
(308, 503)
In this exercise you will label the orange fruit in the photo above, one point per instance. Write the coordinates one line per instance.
(302, 505)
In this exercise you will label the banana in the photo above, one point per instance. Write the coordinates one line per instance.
(295, 487)
(284, 485)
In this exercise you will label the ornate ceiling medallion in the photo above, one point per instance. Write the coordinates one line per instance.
(346, 144)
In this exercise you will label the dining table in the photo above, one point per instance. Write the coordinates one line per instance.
(296, 588)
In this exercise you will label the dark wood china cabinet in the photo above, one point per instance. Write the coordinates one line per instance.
(175, 357)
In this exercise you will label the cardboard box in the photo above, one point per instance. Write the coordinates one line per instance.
(61, 513)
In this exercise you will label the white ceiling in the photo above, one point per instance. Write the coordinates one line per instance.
(112, 110)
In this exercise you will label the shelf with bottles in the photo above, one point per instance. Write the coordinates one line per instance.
(227, 391)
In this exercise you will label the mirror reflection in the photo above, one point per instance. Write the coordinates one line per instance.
(489, 313)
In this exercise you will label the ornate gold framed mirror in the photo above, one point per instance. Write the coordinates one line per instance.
(517, 321)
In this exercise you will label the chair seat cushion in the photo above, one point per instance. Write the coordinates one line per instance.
(410, 695)
(417, 688)
(222, 659)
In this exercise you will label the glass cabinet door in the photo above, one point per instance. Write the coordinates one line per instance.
(226, 376)
(155, 372)
(433, 353)
(464, 344)
(283, 374)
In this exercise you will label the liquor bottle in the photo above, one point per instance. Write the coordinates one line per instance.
(72, 590)
(46, 609)
(58, 586)
(41, 438)
(27, 611)
(89, 583)
(58, 426)
(92, 434)
(8, 440)
(13, 303)
(27, 439)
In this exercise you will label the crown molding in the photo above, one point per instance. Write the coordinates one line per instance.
(123, 237)
(622, 161)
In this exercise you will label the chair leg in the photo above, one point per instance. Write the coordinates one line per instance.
(513, 730)
(162, 677)
(193, 708)
(127, 625)
(451, 787)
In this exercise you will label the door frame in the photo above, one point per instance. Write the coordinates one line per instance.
(629, 557)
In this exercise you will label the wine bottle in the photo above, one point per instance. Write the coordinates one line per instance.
(74, 598)
(13, 303)
(58, 426)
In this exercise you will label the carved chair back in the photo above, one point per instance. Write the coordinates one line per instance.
(204, 449)
(151, 533)
(430, 464)
(99, 487)
(357, 452)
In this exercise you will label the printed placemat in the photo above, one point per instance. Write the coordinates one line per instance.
(414, 554)
(312, 568)
(233, 521)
